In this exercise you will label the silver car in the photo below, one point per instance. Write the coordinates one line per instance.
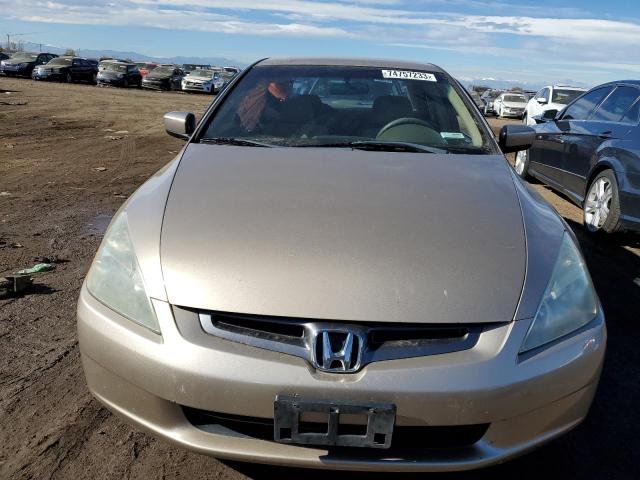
(341, 270)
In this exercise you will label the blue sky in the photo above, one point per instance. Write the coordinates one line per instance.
(542, 41)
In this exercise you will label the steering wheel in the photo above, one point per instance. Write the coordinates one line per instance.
(404, 121)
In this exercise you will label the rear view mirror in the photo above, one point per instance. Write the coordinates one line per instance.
(514, 138)
(180, 124)
(550, 114)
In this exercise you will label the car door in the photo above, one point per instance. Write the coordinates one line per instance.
(75, 70)
(584, 137)
(547, 156)
(539, 101)
(178, 76)
(497, 103)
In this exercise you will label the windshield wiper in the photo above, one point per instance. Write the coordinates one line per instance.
(378, 146)
(242, 142)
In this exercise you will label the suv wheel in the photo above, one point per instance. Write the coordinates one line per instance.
(68, 78)
(601, 207)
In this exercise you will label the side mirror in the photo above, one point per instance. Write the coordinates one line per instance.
(514, 138)
(542, 100)
(180, 124)
(546, 116)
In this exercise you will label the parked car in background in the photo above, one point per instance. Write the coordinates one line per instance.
(22, 64)
(205, 81)
(590, 152)
(475, 96)
(164, 77)
(187, 68)
(119, 74)
(301, 286)
(488, 97)
(67, 69)
(145, 67)
(510, 104)
(552, 97)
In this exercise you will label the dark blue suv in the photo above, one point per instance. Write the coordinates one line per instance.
(590, 151)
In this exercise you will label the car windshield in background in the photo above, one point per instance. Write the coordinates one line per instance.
(515, 98)
(60, 61)
(114, 67)
(25, 57)
(565, 97)
(334, 106)
(163, 70)
(202, 73)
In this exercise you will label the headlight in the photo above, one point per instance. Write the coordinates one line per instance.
(568, 303)
(115, 278)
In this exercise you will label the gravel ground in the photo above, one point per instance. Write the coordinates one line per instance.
(69, 155)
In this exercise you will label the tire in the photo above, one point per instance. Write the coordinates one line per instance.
(125, 83)
(94, 79)
(601, 207)
(521, 165)
(68, 78)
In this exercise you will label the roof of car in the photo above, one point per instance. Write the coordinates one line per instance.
(569, 87)
(352, 62)
(631, 82)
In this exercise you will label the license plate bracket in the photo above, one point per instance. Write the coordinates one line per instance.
(288, 411)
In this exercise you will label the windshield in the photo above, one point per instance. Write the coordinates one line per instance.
(515, 98)
(565, 97)
(163, 70)
(332, 106)
(60, 61)
(25, 57)
(202, 74)
(113, 67)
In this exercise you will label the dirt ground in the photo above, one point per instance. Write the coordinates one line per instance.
(69, 156)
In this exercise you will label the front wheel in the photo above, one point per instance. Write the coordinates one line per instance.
(521, 165)
(68, 78)
(602, 204)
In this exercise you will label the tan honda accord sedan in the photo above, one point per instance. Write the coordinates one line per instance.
(341, 270)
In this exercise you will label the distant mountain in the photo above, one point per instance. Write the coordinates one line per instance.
(135, 56)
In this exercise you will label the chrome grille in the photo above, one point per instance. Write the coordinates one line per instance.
(299, 336)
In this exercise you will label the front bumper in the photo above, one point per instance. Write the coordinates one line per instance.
(47, 76)
(155, 85)
(513, 113)
(14, 70)
(148, 379)
(116, 82)
(197, 87)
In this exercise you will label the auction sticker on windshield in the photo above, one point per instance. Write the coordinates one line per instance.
(404, 74)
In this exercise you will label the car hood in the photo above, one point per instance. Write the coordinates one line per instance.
(158, 76)
(16, 62)
(514, 104)
(195, 79)
(110, 74)
(344, 234)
